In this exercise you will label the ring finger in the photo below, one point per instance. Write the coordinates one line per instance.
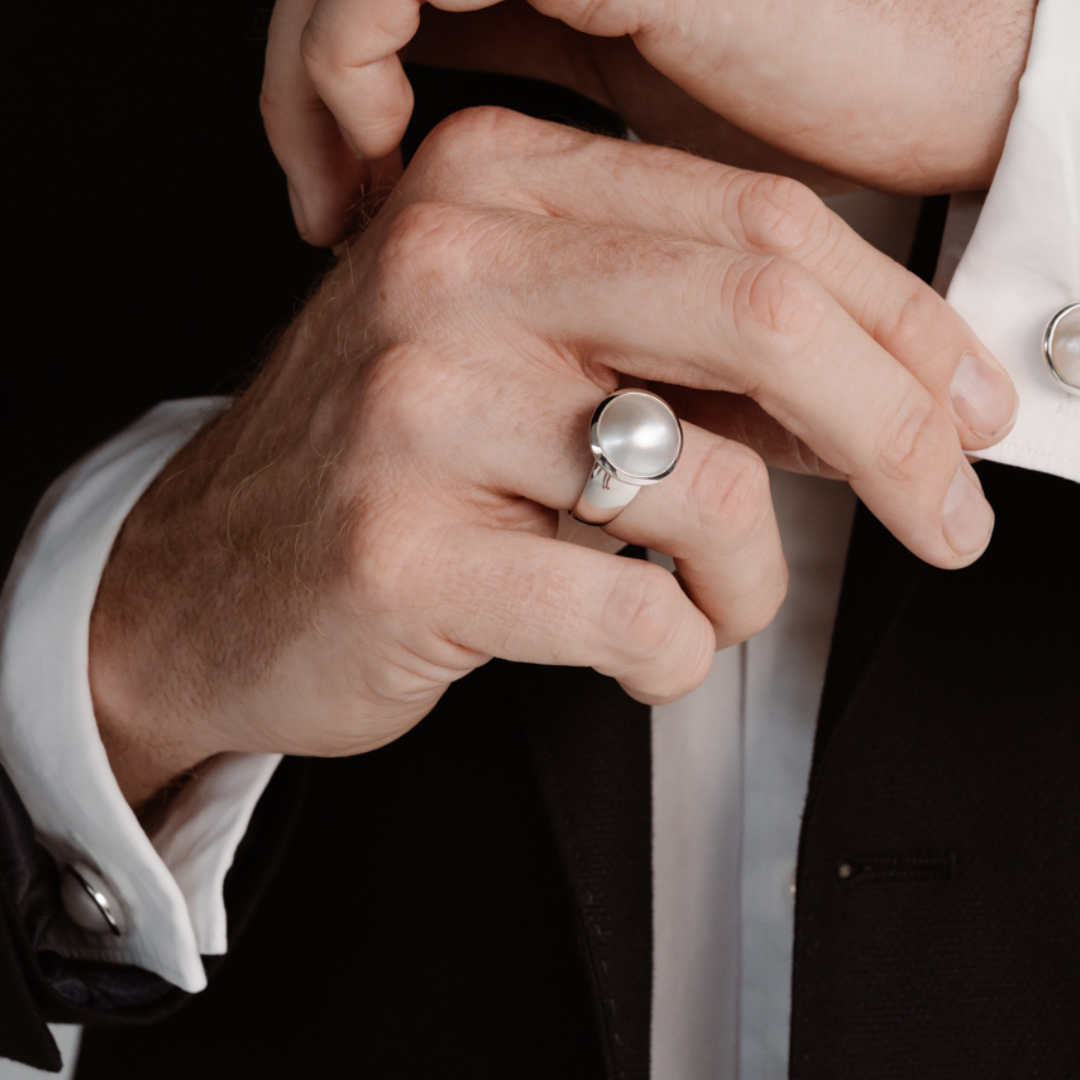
(713, 514)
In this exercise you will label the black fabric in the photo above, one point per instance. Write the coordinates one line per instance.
(150, 247)
(26, 872)
(54, 988)
(23, 1033)
(929, 230)
(938, 915)
(592, 749)
(420, 926)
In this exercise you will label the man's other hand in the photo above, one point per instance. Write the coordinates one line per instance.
(911, 96)
(379, 513)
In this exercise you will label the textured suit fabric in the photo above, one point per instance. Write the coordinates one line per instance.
(422, 923)
(591, 748)
(938, 914)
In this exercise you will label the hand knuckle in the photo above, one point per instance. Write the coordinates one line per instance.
(760, 609)
(916, 439)
(638, 611)
(406, 402)
(907, 326)
(604, 17)
(730, 489)
(322, 50)
(780, 216)
(699, 663)
(692, 657)
(268, 108)
(274, 127)
(471, 138)
(382, 573)
(775, 298)
(425, 250)
(689, 676)
(316, 47)
(774, 597)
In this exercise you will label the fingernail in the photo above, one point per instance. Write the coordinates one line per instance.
(983, 396)
(298, 212)
(967, 519)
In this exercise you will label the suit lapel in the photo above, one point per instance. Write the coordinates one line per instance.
(936, 922)
(590, 744)
(879, 577)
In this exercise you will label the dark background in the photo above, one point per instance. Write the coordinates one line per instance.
(139, 159)
(150, 248)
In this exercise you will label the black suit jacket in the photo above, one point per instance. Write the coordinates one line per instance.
(475, 898)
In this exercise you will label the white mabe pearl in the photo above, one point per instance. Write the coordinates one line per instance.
(638, 435)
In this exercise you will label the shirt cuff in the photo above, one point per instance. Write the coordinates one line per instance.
(167, 886)
(1022, 265)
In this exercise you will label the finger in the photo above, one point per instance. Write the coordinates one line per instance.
(684, 312)
(665, 191)
(326, 178)
(350, 51)
(532, 599)
(902, 313)
(739, 418)
(714, 515)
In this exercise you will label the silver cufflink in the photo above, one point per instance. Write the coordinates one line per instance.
(1061, 347)
(88, 902)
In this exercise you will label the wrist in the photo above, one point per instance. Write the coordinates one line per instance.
(147, 755)
(151, 728)
(206, 584)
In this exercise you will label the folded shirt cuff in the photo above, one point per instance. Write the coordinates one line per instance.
(1022, 265)
(167, 886)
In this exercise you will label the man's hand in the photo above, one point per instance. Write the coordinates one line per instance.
(911, 96)
(378, 514)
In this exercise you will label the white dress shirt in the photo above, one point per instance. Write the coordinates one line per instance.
(730, 761)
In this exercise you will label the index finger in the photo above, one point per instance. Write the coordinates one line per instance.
(673, 193)
(349, 48)
(326, 176)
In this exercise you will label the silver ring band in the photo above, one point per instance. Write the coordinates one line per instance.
(636, 440)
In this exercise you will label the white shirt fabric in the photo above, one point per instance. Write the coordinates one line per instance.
(730, 761)
(167, 886)
(730, 765)
(1022, 264)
